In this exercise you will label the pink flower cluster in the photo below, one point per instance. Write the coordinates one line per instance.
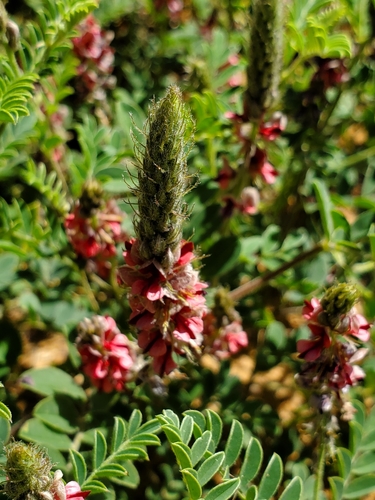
(95, 55)
(108, 356)
(94, 236)
(225, 341)
(331, 353)
(167, 305)
(330, 73)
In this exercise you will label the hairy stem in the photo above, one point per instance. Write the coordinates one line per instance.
(320, 468)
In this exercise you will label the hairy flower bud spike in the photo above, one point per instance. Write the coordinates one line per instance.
(265, 52)
(339, 300)
(163, 178)
(28, 472)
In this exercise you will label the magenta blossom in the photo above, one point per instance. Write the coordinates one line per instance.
(107, 354)
(167, 304)
(259, 165)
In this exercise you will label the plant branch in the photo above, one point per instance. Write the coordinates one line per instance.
(320, 470)
(255, 284)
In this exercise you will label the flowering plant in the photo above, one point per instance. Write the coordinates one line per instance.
(187, 250)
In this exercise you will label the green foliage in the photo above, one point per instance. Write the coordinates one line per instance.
(14, 94)
(356, 465)
(200, 462)
(128, 443)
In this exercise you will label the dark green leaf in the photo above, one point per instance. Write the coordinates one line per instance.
(337, 487)
(345, 462)
(182, 453)
(134, 422)
(324, 205)
(200, 447)
(293, 491)
(359, 487)
(186, 429)
(100, 449)
(215, 425)
(234, 443)
(252, 462)
(192, 484)
(209, 467)
(118, 434)
(224, 490)
(271, 477)
(172, 433)
(36, 431)
(94, 486)
(50, 381)
(79, 466)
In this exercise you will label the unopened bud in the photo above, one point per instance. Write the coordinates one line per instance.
(163, 178)
(338, 301)
(28, 471)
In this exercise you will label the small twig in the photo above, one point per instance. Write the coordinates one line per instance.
(252, 286)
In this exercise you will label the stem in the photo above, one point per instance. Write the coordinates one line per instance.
(88, 290)
(257, 283)
(357, 157)
(320, 470)
(292, 68)
(211, 157)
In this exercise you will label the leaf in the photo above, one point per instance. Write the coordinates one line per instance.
(200, 447)
(345, 462)
(271, 477)
(224, 490)
(171, 433)
(36, 431)
(50, 381)
(337, 487)
(94, 487)
(234, 443)
(118, 434)
(209, 467)
(324, 205)
(355, 435)
(5, 412)
(199, 420)
(192, 484)
(182, 453)
(368, 441)
(149, 427)
(359, 487)
(111, 470)
(131, 480)
(79, 466)
(364, 464)
(134, 422)
(8, 268)
(132, 453)
(100, 449)
(58, 412)
(186, 429)
(252, 462)
(145, 440)
(215, 425)
(293, 491)
(252, 493)
(223, 256)
(174, 418)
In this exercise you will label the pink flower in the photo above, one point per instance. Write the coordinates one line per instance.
(224, 341)
(310, 350)
(107, 355)
(94, 236)
(73, 491)
(95, 55)
(259, 165)
(331, 72)
(249, 200)
(359, 327)
(226, 174)
(312, 309)
(272, 129)
(167, 304)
